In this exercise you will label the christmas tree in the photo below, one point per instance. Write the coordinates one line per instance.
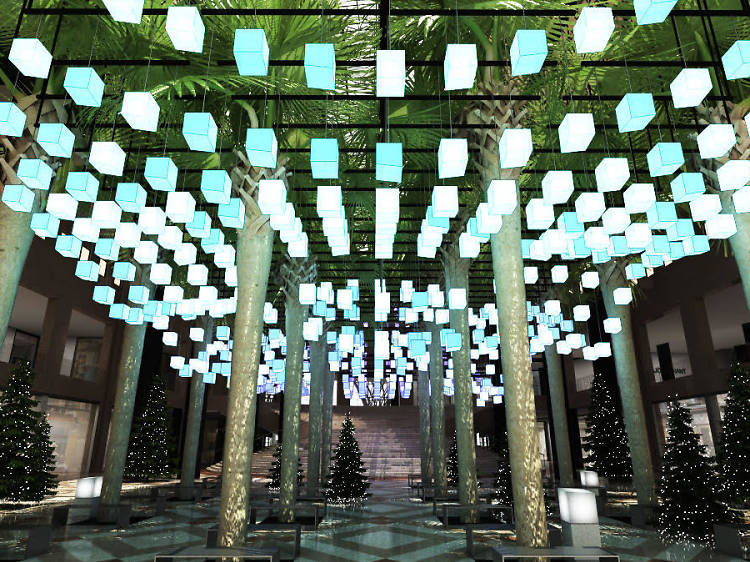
(686, 487)
(27, 455)
(735, 437)
(606, 442)
(503, 484)
(148, 451)
(348, 479)
(275, 473)
(452, 465)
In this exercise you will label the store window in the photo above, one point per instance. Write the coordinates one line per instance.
(24, 328)
(82, 347)
(72, 430)
(727, 312)
(666, 338)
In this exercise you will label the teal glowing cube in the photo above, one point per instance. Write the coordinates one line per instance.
(30, 57)
(123, 270)
(214, 240)
(199, 130)
(661, 214)
(104, 294)
(568, 222)
(200, 226)
(690, 87)
(232, 215)
(12, 120)
(441, 223)
(131, 197)
(687, 186)
(83, 186)
(68, 246)
(161, 173)
(651, 260)
(324, 158)
(138, 294)
(87, 270)
(618, 246)
(634, 112)
(262, 147)
(635, 271)
(56, 139)
(251, 52)
(736, 61)
(528, 51)
(680, 229)
(216, 186)
(119, 311)
(665, 158)
(320, 66)
(135, 316)
(652, 11)
(35, 173)
(45, 225)
(107, 249)
(84, 86)
(697, 244)
(18, 197)
(389, 162)
(676, 250)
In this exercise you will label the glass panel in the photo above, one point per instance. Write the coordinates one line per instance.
(584, 371)
(82, 347)
(727, 312)
(24, 327)
(24, 348)
(697, 408)
(668, 329)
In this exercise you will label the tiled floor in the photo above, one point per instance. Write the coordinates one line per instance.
(388, 527)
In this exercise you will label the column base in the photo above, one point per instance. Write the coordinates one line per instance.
(642, 515)
(581, 534)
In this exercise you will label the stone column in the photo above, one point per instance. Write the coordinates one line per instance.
(437, 413)
(318, 362)
(325, 434)
(54, 336)
(559, 416)
(423, 385)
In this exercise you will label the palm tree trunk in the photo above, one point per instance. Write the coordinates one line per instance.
(520, 411)
(559, 416)
(611, 278)
(128, 370)
(254, 252)
(195, 412)
(457, 277)
(437, 413)
(325, 434)
(317, 375)
(423, 384)
(739, 242)
(296, 315)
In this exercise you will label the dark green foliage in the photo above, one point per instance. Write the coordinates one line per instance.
(148, 450)
(452, 464)
(347, 479)
(687, 484)
(27, 455)
(734, 455)
(503, 484)
(606, 444)
(275, 472)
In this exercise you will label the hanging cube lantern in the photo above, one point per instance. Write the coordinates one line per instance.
(84, 86)
(30, 57)
(690, 87)
(200, 130)
(528, 51)
(216, 186)
(211, 242)
(468, 246)
(559, 273)
(680, 230)
(623, 296)
(453, 156)
(324, 158)
(590, 279)
(18, 197)
(716, 140)
(487, 223)
(695, 245)
(232, 215)
(615, 220)
(592, 29)
(83, 186)
(107, 249)
(170, 238)
(502, 197)
(741, 200)
(612, 325)
(251, 52)
(126, 11)
(328, 203)
(705, 206)
(224, 256)
(87, 270)
(307, 293)
(515, 148)
(185, 28)
(180, 206)
(736, 61)
(634, 271)
(12, 120)
(185, 254)
(460, 66)
(639, 197)
(687, 186)
(661, 214)
(445, 201)
(539, 215)
(390, 74)
(34, 173)
(457, 299)
(538, 250)
(733, 174)
(138, 294)
(611, 174)
(85, 230)
(141, 111)
(638, 236)
(652, 11)
(530, 275)
(200, 225)
(581, 313)
(569, 224)
(104, 294)
(557, 186)
(107, 158)
(45, 225)
(261, 147)
(123, 270)
(720, 226)
(576, 132)
(62, 206)
(197, 274)
(161, 173)
(298, 248)
(272, 197)
(68, 246)
(595, 238)
(131, 197)
(665, 158)
(389, 161)
(128, 235)
(320, 66)
(634, 112)
(590, 206)
(56, 139)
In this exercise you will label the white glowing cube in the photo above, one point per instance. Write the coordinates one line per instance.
(180, 206)
(160, 274)
(539, 215)
(733, 174)
(106, 214)
(615, 220)
(502, 197)
(307, 293)
(299, 248)
(185, 254)
(62, 206)
(185, 28)
(716, 140)
(720, 226)
(687, 186)
(576, 132)
(639, 197)
(453, 156)
(530, 275)
(126, 11)
(468, 246)
(741, 200)
(592, 29)
(488, 223)
(638, 236)
(590, 279)
(611, 174)
(622, 296)
(390, 73)
(581, 313)
(173, 294)
(705, 206)
(272, 197)
(329, 202)
(590, 206)
(85, 230)
(128, 235)
(457, 299)
(557, 186)
(30, 57)
(515, 148)
(90, 487)
(170, 238)
(141, 111)
(197, 274)
(460, 66)
(690, 87)
(152, 220)
(595, 238)
(107, 158)
(196, 334)
(559, 273)
(445, 201)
